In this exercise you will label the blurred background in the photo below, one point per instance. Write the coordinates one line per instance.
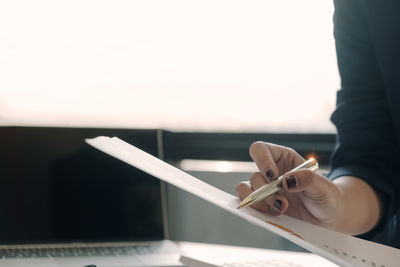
(227, 66)
(182, 65)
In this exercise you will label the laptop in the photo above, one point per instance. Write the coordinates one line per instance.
(64, 203)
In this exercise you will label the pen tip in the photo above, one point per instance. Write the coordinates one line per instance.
(245, 202)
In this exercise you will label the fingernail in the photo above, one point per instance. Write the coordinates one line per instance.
(278, 204)
(270, 175)
(275, 211)
(291, 181)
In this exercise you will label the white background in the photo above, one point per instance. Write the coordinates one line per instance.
(183, 65)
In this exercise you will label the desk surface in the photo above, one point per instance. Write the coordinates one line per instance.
(222, 254)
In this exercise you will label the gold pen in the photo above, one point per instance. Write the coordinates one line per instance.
(276, 185)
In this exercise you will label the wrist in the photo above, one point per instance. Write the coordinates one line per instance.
(358, 206)
(338, 209)
(339, 219)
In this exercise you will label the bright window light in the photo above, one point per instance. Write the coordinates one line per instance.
(179, 64)
(217, 166)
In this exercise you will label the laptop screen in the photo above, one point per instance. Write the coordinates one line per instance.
(56, 188)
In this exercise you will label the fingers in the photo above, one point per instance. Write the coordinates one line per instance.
(276, 204)
(312, 184)
(273, 160)
(265, 156)
(243, 190)
(279, 204)
(258, 180)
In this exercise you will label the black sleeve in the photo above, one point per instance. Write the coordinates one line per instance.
(366, 141)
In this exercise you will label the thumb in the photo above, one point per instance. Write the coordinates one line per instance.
(307, 181)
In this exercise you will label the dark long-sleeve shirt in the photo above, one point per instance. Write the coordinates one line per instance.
(367, 117)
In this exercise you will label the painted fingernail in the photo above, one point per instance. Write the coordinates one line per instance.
(291, 181)
(275, 211)
(278, 204)
(270, 175)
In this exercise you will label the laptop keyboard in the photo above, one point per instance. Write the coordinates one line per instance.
(77, 251)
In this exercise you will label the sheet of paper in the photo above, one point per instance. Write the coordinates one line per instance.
(341, 249)
(202, 255)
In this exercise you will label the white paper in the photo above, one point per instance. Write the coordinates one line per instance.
(344, 250)
(202, 255)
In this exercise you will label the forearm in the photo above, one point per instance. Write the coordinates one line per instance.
(361, 207)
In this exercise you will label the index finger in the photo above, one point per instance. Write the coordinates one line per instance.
(264, 155)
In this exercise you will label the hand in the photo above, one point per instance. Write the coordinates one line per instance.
(306, 195)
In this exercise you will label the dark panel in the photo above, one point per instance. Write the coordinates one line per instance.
(56, 187)
(235, 146)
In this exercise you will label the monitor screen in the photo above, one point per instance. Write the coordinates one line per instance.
(56, 188)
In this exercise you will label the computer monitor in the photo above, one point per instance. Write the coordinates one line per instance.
(56, 188)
